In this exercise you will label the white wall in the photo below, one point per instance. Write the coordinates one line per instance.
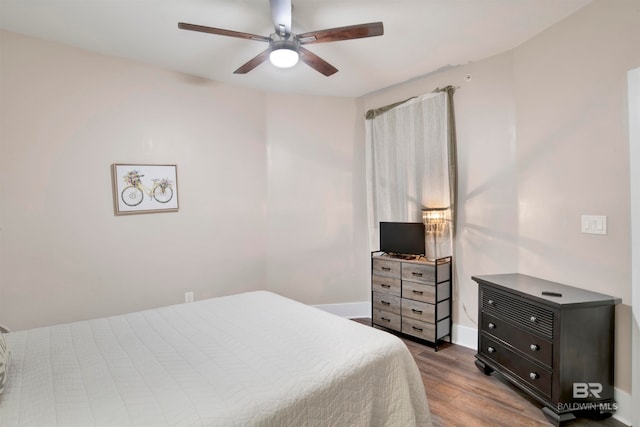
(65, 116)
(573, 146)
(317, 247)
(571, 103)
(542, 139)
(271, 189)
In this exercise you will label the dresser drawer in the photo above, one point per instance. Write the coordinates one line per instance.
(384, 284)
(386, 302)
(386, 319)
(418, 310)
(419, 291)
(526, 371)
(423, 273)
(529, 344)
(424, 311)
(425, 292)
(383, 267)
(416, 328)
(518, 311)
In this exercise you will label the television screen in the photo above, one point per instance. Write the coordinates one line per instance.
(402, 238)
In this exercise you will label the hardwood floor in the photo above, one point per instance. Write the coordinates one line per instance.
(460, 395)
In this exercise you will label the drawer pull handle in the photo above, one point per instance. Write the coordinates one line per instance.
(385, 286)
(385, 319)
(416, 311)
(417, 292)
(491, 349)
(492, 325)
(534, 319)
(385, 302)
(386, 268)
(416, 274)
(491, 302)
(533, 376)
(534, 347)
(415, 328)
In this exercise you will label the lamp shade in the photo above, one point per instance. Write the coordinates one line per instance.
(436, 227)
(435, 219)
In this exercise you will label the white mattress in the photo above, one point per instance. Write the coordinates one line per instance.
(253, 359)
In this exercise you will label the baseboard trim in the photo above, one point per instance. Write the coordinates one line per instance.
(625, 406)
(350, 310)
(465, 336)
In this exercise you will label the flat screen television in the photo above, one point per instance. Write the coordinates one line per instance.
(405, 238)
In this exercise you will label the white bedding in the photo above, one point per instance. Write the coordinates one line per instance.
(253, 359)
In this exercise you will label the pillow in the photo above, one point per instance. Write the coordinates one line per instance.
(4, 362)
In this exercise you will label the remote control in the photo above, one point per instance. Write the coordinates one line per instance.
(551, 294)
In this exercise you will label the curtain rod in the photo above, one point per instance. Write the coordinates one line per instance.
(375, 112)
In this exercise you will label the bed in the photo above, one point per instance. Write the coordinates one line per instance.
(252, 359)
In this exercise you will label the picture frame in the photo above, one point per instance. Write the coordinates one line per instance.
(144, 188)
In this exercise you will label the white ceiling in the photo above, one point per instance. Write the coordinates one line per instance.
(420, 36)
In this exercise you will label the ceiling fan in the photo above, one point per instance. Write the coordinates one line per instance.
(285, 47)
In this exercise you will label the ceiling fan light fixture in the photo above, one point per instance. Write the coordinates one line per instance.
(285, 47)
(284, 54)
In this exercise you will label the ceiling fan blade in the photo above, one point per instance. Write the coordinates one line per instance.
(281, 16)
(253, 63)
(221, 32)
(315, 62)
(371, 29)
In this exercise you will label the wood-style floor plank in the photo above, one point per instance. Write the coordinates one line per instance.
(460, 395)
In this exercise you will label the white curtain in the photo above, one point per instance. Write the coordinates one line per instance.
(407, 154)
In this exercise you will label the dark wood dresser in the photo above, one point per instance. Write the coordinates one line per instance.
(553, 341)
(412, 296)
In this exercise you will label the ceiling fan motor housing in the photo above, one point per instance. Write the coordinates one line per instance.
(289, 42)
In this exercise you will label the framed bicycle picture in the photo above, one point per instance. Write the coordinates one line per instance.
(141, 188)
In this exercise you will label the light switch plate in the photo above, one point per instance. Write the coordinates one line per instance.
(594, 224)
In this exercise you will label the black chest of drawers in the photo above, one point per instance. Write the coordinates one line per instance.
(553, 341)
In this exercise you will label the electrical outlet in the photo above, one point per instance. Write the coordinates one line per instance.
(188, 297)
